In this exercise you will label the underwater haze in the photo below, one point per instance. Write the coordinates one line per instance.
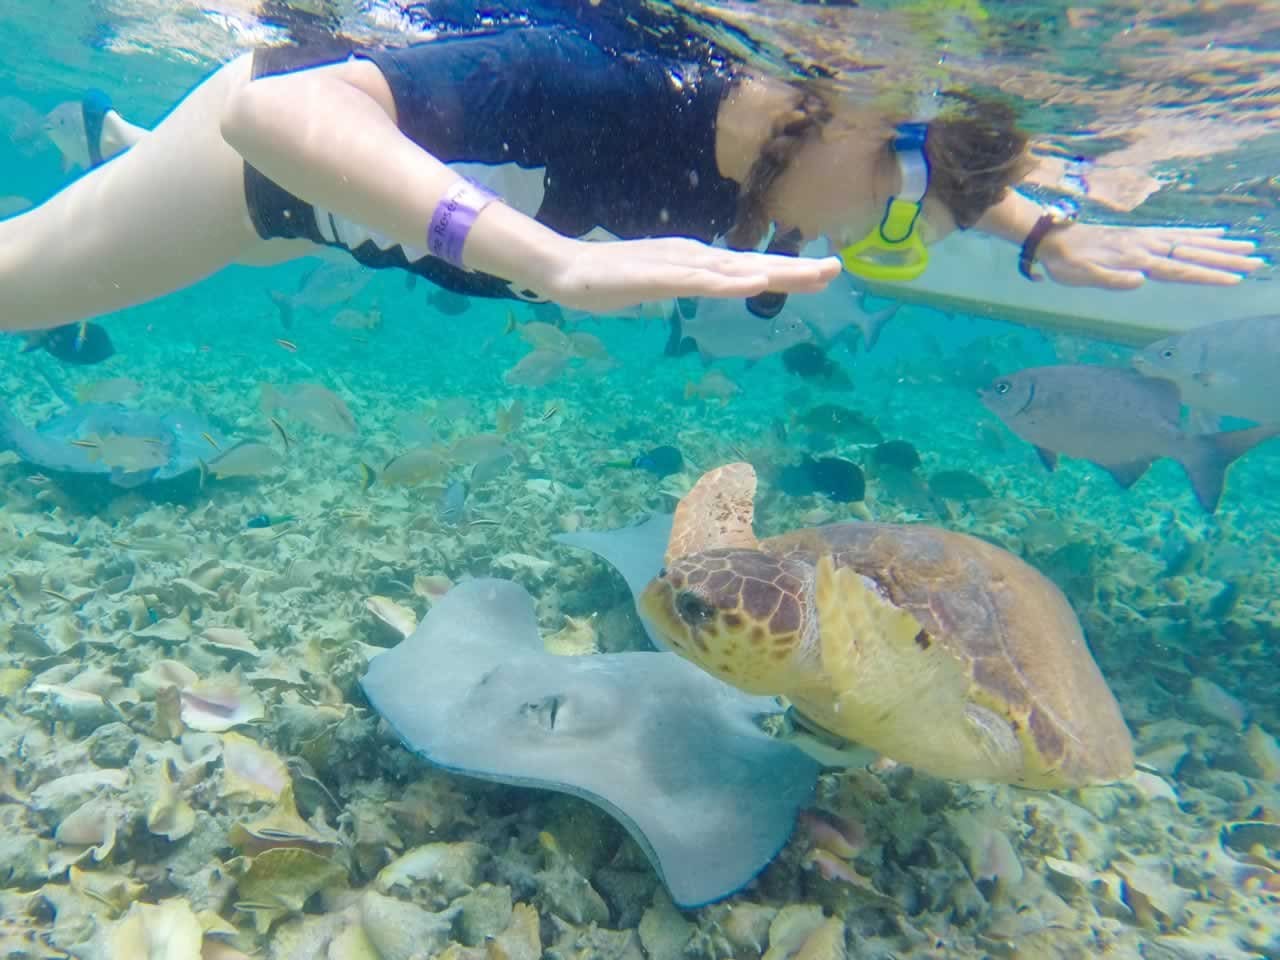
(217, 522)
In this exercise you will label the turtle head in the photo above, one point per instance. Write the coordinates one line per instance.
(744, 616)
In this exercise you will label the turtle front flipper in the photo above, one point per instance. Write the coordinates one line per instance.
(897, 690)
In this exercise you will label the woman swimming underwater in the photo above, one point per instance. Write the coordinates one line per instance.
(387, 153)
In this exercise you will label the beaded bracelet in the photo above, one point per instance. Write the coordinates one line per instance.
(453, 218)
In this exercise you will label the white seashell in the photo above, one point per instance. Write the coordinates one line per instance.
(169, 930)
(399, 618)
(1216, 703)
(217, 707)
(1264, 751)
(523, 561)
(93, 826)
(164, 673)
(232, 641)
(251, 770)
(450, 869)
(64, 794)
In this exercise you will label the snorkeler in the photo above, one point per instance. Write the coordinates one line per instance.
(487, 163)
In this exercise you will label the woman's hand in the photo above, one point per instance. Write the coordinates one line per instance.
(607, 276)
(1122, 258)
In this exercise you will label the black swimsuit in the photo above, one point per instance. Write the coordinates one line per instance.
(596, 140)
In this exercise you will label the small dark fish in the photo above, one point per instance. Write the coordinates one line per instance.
(208, 438)
(840, 421)
(284, 344)
(807, 360)
(779, 427)
(87, 444)
(660, 461)
(57, 596)
(79, 343)
(838, 479)
(484, 522)
(958, 485)
(550, 412)
(38, 479)
(262, 521)
(896, 453)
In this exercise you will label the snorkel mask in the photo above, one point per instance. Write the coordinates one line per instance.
(894, 250)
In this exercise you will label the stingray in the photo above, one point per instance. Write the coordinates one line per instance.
(183, 435)
(676, 756)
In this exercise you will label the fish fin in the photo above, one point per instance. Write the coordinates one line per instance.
(871, 323)
(94, 107)
(1199, 421)
(1127, 474)
(284, 304)
(1209, 456)
(1048, 457)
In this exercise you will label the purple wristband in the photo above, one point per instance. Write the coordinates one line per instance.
(453, 217)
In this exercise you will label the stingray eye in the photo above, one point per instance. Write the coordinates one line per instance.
(1003, 387)
(1167, 353)
(693, 609)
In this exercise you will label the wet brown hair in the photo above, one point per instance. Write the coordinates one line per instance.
(976, 152)
(974, 147)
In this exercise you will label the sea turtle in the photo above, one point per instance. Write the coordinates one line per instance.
(934, 648)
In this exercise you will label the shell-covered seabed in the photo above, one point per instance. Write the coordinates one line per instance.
(188, 768)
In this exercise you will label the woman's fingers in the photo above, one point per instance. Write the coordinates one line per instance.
(1214, 258)
(1180, 271)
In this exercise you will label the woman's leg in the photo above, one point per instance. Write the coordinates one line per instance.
(167, 212)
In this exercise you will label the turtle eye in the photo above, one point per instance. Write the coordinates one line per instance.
(693, 610)
(1002, 387)
(1167, 353)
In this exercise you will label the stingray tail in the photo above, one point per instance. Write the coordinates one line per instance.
(1209, 456)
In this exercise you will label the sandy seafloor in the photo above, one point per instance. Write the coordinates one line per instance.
(107, 802)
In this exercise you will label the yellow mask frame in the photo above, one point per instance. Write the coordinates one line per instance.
(898, 233)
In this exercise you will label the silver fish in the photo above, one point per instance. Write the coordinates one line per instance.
(248, 459)
(328, 285)
(316, 406)
(1117, 419)
(1228, 367)
(64, 125)
(536, 369)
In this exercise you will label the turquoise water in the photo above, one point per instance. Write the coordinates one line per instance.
(129, 814)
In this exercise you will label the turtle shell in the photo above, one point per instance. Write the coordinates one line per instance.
(944, 651)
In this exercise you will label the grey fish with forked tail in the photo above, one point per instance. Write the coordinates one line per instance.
(1117, 419)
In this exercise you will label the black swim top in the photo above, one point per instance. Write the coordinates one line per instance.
(592, 143)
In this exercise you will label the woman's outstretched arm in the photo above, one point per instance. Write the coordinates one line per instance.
(329, 136)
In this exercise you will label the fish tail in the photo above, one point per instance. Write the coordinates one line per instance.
(284, 304)
(368, 476)
(1209, 456)
(870, 323)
